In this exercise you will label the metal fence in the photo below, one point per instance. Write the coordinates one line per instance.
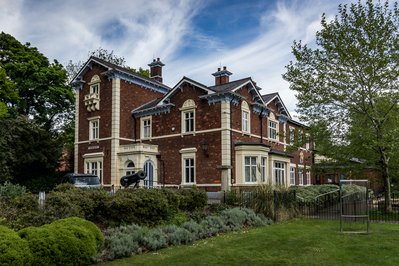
(328, 207)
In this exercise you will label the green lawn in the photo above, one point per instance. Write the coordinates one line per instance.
(298, 242)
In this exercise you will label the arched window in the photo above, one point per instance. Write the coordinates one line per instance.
(188, 116)
(149, 170)
(245, 117)
(129, 168)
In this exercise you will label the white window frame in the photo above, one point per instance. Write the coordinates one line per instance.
(94, 128)
(300, 176)
(146, 130)
(292, 175)
(245, 118)
(273, 130)
(188, 154)
(187, 108)
(130, 169)
(263, 169)
(292, 136)
(307, 139)
(250, 169)
(279, 173)
(94, 166)
(308, 178)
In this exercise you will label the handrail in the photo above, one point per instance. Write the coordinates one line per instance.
(325, 194)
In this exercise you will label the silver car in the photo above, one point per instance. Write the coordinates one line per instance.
(83, 180)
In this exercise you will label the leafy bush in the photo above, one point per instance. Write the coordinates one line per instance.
(9, 190)
(124, 241)
(192, 199)
(13, 249)
(139, 206)
(213, 225)
(155, 239)
(197, 230)
(177, 235)
(309, 193)
(66, 242)
(234, 218)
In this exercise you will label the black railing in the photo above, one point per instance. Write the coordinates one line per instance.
(276, 204)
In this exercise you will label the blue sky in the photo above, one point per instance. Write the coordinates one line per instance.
(192, 37)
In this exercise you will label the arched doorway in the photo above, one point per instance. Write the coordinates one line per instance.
(149, 170)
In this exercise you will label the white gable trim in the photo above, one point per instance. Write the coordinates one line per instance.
(177, 86)
(277, 96)
(253, 86)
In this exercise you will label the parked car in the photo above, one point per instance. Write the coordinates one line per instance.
(83, 180)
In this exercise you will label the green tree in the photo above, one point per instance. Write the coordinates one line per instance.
(349, 84)
(27, 150)
(41, 89)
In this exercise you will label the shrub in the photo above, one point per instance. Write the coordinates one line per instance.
(155, 239)
(139, 206)
(252, 219)
(177, 235)
(9, 190)
(13, 249)
(192, 199)
(234, 218)
(124, 241)
(197, 230)
(213, 225)
(66, 242)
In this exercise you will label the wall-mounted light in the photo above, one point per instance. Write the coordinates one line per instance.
(204, 147)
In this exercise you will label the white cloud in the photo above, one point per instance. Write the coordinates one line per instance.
(141, 30)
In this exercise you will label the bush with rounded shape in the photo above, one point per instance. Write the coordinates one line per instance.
(177, 235)
(196, 229)
(124, 241)
(155, 239)
(234, 218)
(13, 249)
(192, 199)
(213, 225)
(62, 243)
(139, 206)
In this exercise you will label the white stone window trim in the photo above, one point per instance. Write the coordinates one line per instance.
(188, 107)
(97, 158)
(291, 138)
(300, 175)
(91, 122)
(245, 118)
(251, 166)
(143, 129)
(292, 175)
(308, 178)
(282, 179)
(188, 153)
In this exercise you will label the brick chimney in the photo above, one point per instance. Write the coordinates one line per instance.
(156, 69)
(222, 76)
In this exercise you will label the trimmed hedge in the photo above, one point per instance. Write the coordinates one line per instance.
(72, 241)
(13, 249)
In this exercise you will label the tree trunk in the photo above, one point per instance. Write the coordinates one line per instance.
(387, 184)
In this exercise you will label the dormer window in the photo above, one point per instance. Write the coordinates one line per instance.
(92, 100)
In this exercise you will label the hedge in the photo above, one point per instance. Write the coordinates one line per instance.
(72, 241)
(13, 249)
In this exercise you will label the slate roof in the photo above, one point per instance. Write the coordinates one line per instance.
(268, 97)
(229, 86)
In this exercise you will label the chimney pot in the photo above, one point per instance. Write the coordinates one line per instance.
(218, 68)
(153, 60)
(224, 68)
(158, 59)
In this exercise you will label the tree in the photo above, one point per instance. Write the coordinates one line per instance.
(349, 84)
(41, 87)
(27, 150)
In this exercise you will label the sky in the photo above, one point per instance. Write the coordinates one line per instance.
(192, 37)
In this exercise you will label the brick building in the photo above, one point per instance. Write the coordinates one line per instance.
(217, 137)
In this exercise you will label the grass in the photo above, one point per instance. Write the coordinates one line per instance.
(297, 242)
